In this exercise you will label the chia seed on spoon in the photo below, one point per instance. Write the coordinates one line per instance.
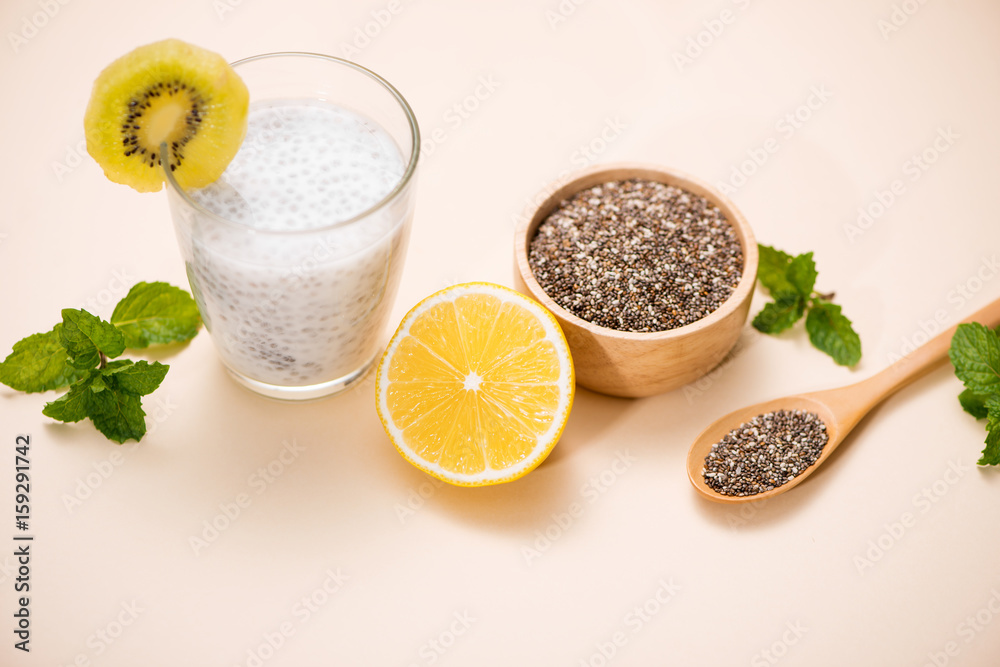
(764, 453)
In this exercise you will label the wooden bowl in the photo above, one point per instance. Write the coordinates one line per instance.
(623, 363)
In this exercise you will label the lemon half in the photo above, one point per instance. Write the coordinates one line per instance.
(476, 385)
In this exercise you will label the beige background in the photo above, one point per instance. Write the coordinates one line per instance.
(802, 577)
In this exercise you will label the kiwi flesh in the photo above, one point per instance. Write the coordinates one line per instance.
(172, 93)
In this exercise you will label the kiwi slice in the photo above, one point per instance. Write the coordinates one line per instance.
(166, 92)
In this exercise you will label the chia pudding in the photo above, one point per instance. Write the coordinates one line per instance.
(290, 296)
(637, 255)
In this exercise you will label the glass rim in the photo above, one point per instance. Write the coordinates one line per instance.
(403, 182)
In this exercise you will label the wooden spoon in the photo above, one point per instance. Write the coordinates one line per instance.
(841, 409)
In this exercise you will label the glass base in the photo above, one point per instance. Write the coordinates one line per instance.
(310, 392)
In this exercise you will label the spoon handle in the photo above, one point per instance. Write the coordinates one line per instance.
(868, 393)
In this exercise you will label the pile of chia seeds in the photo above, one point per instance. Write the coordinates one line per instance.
(764, 453)
(637, 255)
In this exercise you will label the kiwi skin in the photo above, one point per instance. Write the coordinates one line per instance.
(166, 91)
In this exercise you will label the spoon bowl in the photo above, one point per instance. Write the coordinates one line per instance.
(722, 426)
(840, 409)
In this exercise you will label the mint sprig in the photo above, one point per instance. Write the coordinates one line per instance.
(77, 353)
(791, 282)
(975, 354)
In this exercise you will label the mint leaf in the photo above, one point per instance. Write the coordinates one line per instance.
(85, 336)
(73, 405)
(117, 414)
(830, 331)
(107, 400)
(802, 274)
(155, 313)
(973, 403)
(772, 269)
(991, 454)
(780, 314)
(97, 384)
(38, 363)
(975, 354)
(116, 366)
(141, 378)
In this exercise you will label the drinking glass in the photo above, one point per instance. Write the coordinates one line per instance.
(297, 311)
